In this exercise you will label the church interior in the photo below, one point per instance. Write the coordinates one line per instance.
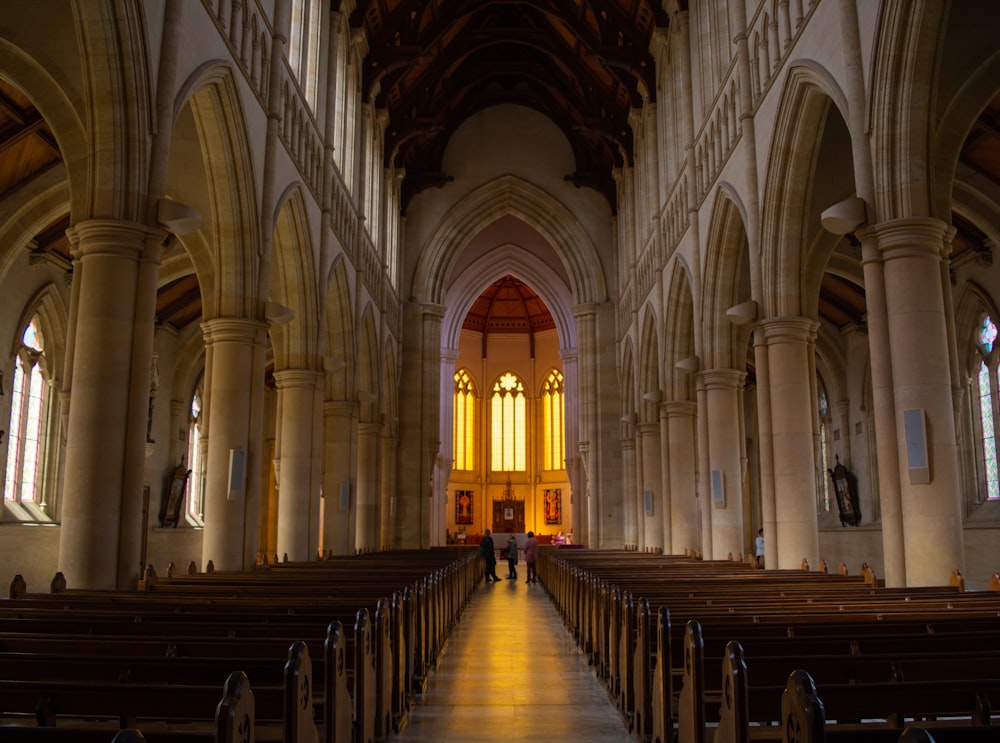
(288, 278)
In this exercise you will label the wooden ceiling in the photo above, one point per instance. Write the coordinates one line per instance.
(583, 63)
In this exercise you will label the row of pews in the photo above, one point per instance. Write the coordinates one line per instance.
(697, 650)
(300, 652)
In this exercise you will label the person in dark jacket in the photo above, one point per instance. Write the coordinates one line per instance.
(488, 551)
(511, 551)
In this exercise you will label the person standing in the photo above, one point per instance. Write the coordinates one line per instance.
(511, 552)
(759, 548)
(531, 556)
(488, 550)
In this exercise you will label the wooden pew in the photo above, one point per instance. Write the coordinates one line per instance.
(380, 672)
(710, 596)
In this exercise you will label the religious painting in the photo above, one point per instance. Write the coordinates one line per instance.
(463, 506)
(847, 495)
(553, 506)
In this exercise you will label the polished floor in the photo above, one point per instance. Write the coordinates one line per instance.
(511, 672)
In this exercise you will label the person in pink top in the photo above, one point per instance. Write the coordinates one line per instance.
(531, 556)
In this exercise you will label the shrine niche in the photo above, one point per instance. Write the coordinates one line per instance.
(508, 512)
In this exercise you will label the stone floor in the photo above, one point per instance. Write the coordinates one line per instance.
(511, 672)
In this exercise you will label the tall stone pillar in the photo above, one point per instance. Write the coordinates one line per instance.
(628, 483)
(389, 500)
(232, 346)
(682, 438)
(571, 417)
(338, 475)
(112, 346)
(586, 321)
(367, 530)
(930, 482)
(790, 348)
(298, 487)
(884, 413)
(725, 480)
(652, 520)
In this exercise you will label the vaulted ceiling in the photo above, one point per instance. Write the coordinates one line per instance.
(433, 63)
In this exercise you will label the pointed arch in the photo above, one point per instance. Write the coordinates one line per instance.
(508, 259)
(510, 195)
(649, 369)
(339, 359)
(793, 265)
(231, 222)
(369, 374)
(294, 285)
(727, 283)
(678, 343)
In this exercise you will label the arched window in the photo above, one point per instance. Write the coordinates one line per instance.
(824, 460)
(464, 424)
(28, 413)
(303, 46)
(552, 422)
(195, 484)
(508, 410)
(986, 392)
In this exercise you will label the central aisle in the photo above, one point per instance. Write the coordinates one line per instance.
(511, 672)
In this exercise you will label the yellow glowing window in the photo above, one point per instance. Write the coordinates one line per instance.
(464, 423)
(552, 409)
(507, 409)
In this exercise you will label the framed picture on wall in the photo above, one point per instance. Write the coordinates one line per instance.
(463, 506)
(553, 506)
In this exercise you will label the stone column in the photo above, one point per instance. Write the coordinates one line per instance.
(632, 518)
(112, 345)
(912, 251)
(338, 474)
(571, 417)
(389, 495)
(298, 492)
(884, 413)
(725, 494)
(649, 437)
(790, 348)
(682, 438)
(231, 347)
(367, 529)
(586, 321)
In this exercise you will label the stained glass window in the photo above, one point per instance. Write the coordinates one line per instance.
(986, 335)
(553, 429)
(195, 494)
(464, 422)
(508, 408)
(824, 461)
(28, 409)
(988, 429)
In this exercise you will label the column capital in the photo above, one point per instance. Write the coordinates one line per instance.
(432, 310)
(680, 408)
(648, 428)
(722, 379)
(789, 329)
(913, 236)
(339, 408)
(114, 237)
(289, 378)
(233, 330)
